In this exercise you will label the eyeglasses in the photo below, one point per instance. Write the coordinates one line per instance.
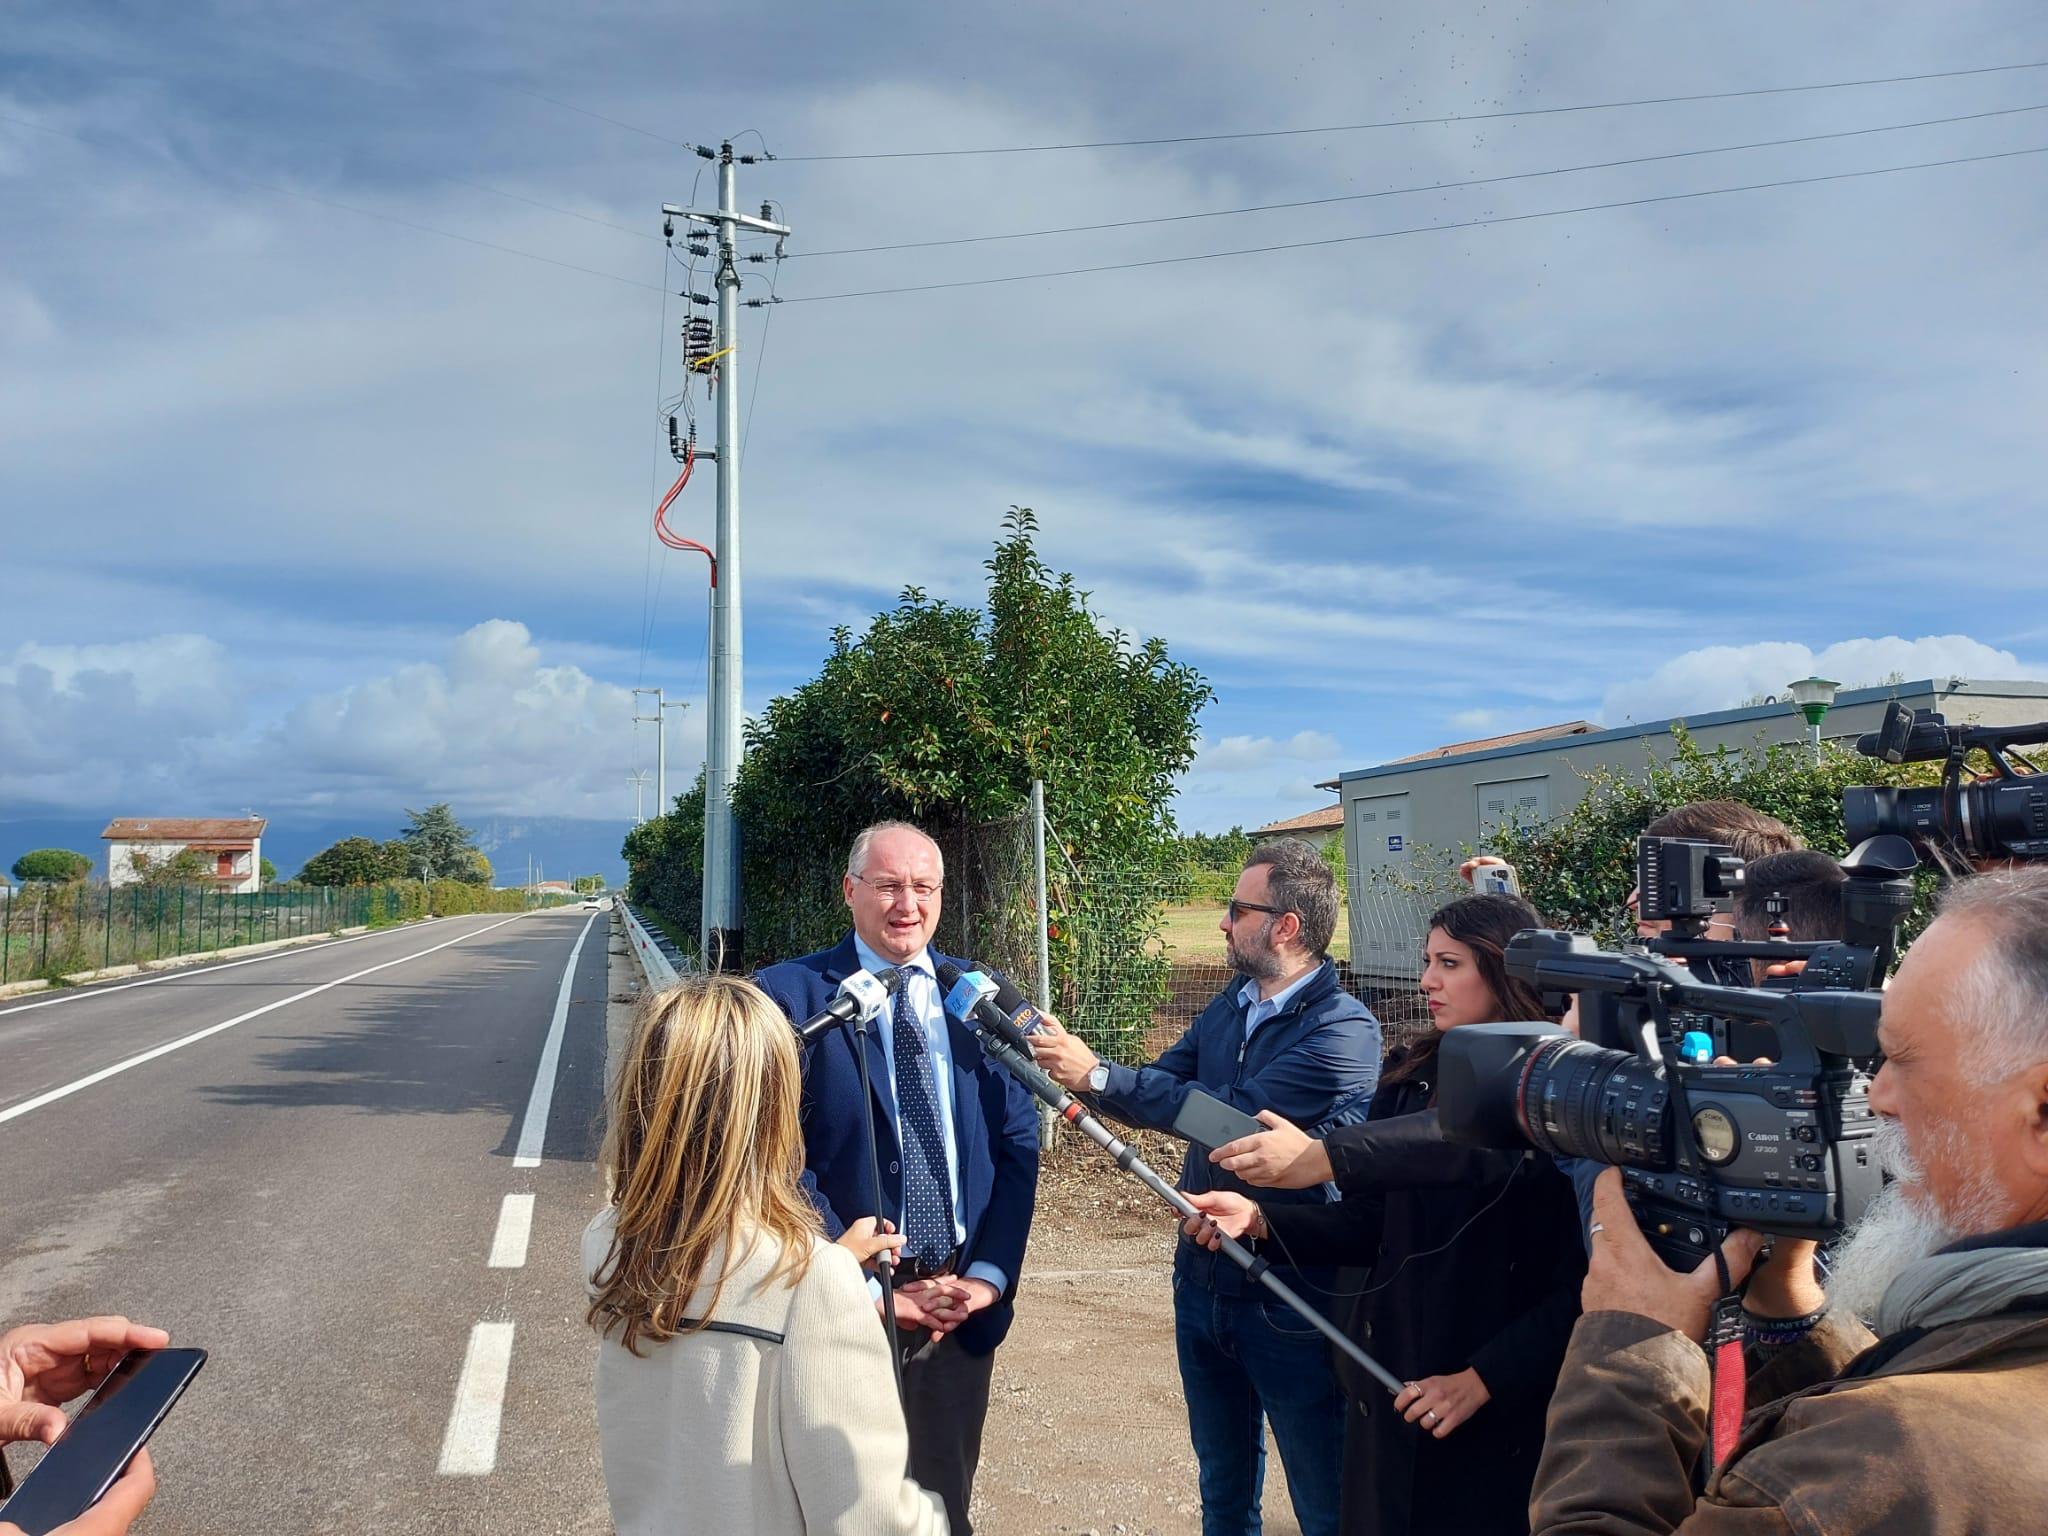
(889, 890)
(1237, 909)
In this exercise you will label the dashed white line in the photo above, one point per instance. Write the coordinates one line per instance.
(515, 1227)
(28, 1105)
(470, 1448)
(533, 1132)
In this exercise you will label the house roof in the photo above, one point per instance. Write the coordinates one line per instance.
(212, 831)
(1329, 819)
(1512, 739)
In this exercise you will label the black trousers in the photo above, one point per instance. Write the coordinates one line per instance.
(945, 1403)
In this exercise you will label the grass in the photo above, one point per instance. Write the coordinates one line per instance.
(1190, 933)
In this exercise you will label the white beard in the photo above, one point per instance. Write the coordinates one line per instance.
(1903, 1224)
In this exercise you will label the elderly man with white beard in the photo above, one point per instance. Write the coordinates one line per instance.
(1936, 1423)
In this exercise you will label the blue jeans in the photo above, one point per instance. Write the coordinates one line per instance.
(1244, 1360)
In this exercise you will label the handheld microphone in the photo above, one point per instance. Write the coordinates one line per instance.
(861, 996)
(973, 998)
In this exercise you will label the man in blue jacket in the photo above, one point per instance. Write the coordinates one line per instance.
(958, 1147)
(1282, 1036)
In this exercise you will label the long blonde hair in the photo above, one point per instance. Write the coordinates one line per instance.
(703, 1148)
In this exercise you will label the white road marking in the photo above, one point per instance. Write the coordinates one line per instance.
(470, 1448)
(29, 1105)
(515, 1226)
(533, 1132)
(190, 973)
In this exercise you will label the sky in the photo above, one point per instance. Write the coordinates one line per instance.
(334, 340)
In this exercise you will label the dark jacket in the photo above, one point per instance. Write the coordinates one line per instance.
(1469, 1257)
(1933, 1431)
(1315, 1063)
(995, 1130)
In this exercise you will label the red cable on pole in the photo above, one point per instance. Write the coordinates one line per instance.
(662, 530)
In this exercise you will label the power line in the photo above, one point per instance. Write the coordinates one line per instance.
(570, 106)
(1419, 229)
(1411, 122)
(1435, 186)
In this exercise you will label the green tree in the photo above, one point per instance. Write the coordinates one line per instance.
(356, 861)
(439, 847)
(267, 871)
(474, 869)
(188, 866)
(1224, 852)
(588, 885)
(57, 865)
(944, 714)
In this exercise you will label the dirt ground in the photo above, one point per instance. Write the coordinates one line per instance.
(1086, 1427)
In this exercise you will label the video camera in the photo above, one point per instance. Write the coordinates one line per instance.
(2006, 818)
(1782, 1147)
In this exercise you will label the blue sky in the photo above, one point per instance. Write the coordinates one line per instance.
(311, 508)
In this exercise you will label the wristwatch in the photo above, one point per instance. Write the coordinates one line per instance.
(1098, 1077)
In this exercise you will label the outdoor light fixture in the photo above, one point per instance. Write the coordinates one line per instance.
(1814, 696)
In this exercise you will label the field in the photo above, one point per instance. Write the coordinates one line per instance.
(1190, 933)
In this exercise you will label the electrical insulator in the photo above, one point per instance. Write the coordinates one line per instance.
(697, 339)
(699, 249)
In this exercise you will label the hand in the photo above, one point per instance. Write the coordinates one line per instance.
(1482, 861)
(1223, 1215)
(1625, 1274)
(1442, 1403)
(1783, 1285)
(1064, 1058)
(936, 1305)
(866, 1244)
(118, 1509)
(1281, 1157)
(44, 1364)
(1785, 968)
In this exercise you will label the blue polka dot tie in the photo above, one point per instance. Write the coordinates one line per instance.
(927, 1190)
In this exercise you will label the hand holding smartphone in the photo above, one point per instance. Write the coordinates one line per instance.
(115, 1423)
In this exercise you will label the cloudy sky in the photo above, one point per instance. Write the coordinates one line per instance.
(328, 387)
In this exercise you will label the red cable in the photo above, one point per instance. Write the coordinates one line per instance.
(661, 528)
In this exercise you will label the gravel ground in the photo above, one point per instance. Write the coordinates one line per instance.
(1086, 1429)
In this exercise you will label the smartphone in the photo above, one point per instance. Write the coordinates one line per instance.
(1496, 880)
(115, 1423)
(1209, 1122)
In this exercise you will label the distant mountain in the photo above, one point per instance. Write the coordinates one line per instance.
(564, 847)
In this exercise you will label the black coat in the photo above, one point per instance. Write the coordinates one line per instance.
(1500, 1298)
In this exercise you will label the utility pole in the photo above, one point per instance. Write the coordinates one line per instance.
(720, 935)
(660, 724)
(638, 779)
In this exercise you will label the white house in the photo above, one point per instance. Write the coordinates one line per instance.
(233, 846)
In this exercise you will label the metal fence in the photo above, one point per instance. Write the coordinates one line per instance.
(48, 931)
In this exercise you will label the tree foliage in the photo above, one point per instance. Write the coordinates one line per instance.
(57, 865)
(1578, 868)
(188, 866)
(439, 847)
(943, 714)
(588, 885)
(357, 861)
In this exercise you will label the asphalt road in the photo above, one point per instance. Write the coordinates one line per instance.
(327, 1194)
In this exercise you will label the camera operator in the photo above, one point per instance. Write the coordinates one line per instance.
(43, 1365)
(1937, 1427)
(1807, 887)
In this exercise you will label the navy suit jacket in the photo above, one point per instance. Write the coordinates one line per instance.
(995, 1129)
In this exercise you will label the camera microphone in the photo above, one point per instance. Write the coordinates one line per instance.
(975, 997)
(861, 996)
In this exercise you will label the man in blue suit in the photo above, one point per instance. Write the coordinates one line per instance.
(1284, 1036)
(959, 1151)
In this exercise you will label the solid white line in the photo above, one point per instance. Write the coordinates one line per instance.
(515, 1226)
(189, 973)
(470, 1448)
(27, 1105)
(533, 1132)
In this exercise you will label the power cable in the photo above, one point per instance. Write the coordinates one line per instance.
(653, 476)
(569, 106)
(1435, 186)
(1412, 122)
(1419, 229)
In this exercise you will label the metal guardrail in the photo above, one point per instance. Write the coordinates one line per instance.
(659, 959)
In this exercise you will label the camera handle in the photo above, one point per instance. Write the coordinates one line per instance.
(1071, 1110)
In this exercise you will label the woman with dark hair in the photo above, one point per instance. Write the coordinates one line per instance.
(1469, 1262)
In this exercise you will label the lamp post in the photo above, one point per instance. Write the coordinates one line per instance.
(1814, 696)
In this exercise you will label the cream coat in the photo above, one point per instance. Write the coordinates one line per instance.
(721, 1432)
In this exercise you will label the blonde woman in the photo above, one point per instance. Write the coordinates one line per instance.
(743, 1383)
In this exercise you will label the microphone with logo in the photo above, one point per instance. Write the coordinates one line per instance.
(861, 997)
(976, 997)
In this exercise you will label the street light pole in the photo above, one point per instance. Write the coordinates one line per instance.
(1814, 696)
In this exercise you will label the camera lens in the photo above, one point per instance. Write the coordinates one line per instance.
(1581, 1100)
(1871, 810)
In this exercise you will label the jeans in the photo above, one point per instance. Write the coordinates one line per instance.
(1245, 1360)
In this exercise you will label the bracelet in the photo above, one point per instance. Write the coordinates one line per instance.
(1779, 1330)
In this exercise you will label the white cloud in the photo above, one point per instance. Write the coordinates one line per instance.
(1723, 676)
(1477, 719)
(1258, 754)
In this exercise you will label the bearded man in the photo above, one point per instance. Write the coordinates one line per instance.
(1282, 1036)
(1933, 1423)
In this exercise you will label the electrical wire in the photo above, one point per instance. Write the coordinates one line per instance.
(1413, 122)
(653, 473)
(1436, 186)
(568, 106)
(1418, 229)
(760, 360)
